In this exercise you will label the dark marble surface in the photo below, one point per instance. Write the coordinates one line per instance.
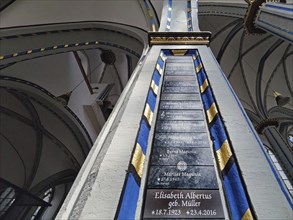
(180, 126)
(181, 83)
(180, 105)
(172, 156)
(182, 176)
(180, 72)
(192, 79)
(183, 204)
(182, 115)
(180, 97)
(180, 89)
(181, 140)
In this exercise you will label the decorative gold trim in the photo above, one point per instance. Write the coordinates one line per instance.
(154, 87)
(204, 86)
(179, 52)
(163, 56)
(224, 154)
(211, 112)
(194, 57)
(55, 47)
(160, 70)
(168, 27)
(247, 215)
(153, 28)
(179, 40)
(1, 57)
(138, 160)
(148, 113)
(42, 49)
(15, 54)
(29, 51)
(198, 68)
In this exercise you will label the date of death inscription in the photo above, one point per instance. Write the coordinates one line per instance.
(187, 204)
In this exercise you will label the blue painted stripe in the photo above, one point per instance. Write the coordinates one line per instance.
(129, 196)
(235, 194)
(288, 197)
(234, 189)
(128, 207)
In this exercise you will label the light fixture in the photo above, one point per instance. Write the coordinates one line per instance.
(281, 100)
(64, 99)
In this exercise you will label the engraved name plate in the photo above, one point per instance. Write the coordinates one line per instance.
(191, 79)
(180, 89)
(180, 126)
(172, 156)
(180, 72)
(182, 115)
(181, 140)
(182, 176)
(180, 105)
(180, 97)
(183, 204)
(181, 83)
(179, 66)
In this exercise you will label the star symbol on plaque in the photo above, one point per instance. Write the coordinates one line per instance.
(187, 213)
(153, 212)
(159, 179)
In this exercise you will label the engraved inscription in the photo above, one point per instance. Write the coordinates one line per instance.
(173, 177)
(172, 156)
(180, 126)
(181, 140)
(183, 115)
(187, 204)
(180, 105)
(180, 97)
(180, 89)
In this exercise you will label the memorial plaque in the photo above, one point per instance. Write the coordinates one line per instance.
(180, 72)
(172, 156)
(181, 115)
(179, 66)
(180, 105)
(180, 126)
(180, 97)
(182, 83)
(180, 78)
(183, 89)
(181, 140)
(182, 176)
(183, 204)
(174, 59)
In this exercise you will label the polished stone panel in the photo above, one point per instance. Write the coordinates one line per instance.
(180, 105)
(181, 115)
(180, 126)
(179, 66)
(183, 204)
(182, 176)
(181, 83)
(180, 89)
(172, 156)
(180, 97)
(180, 72)
(181, 140)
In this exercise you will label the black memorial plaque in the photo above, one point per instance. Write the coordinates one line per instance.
(181, 83)
(191, 79)
(180, 73)
(180, 89)
(182, 176)
(182, 115)
(180, 97)
(172, 156)
(181, 140)
(183, 204)
(180, 105)
(180, 126)
(176, 59)
(179, 66)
